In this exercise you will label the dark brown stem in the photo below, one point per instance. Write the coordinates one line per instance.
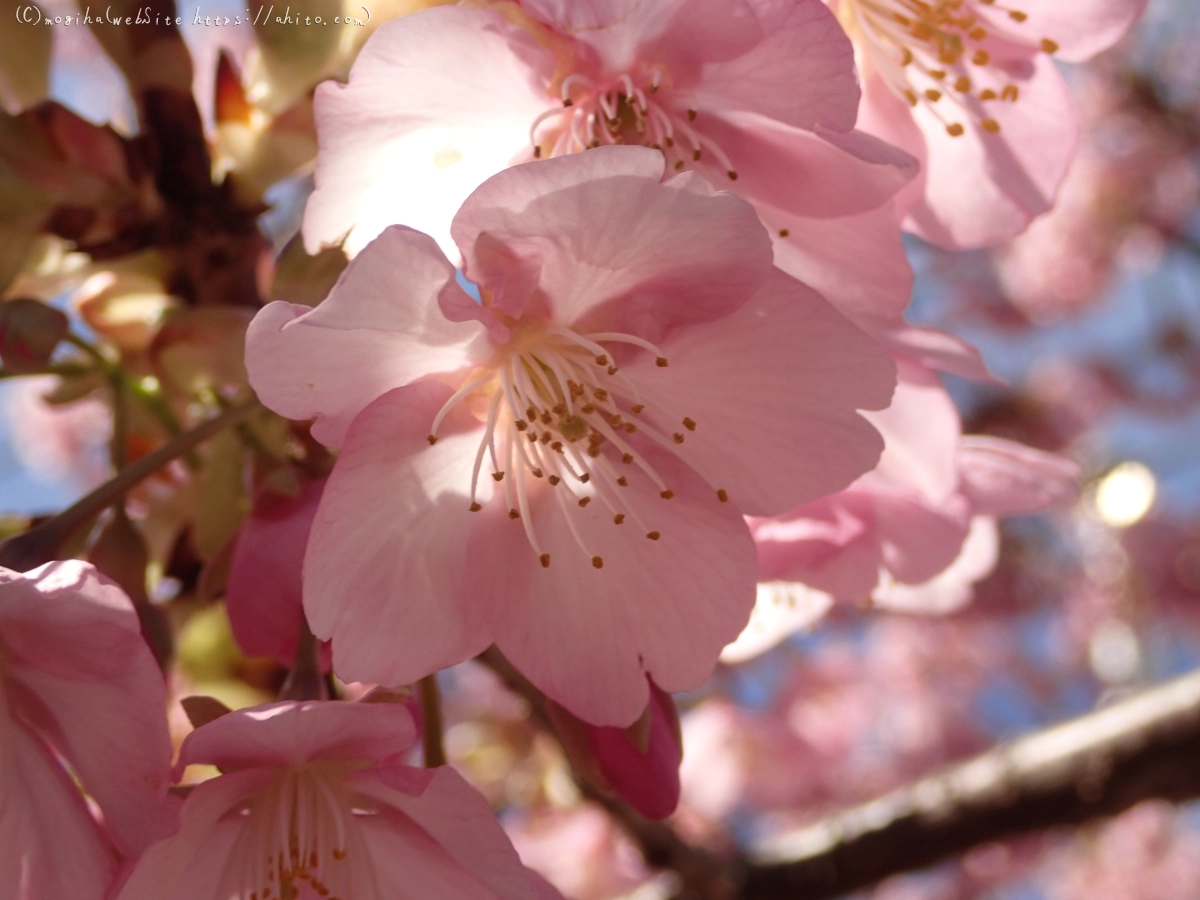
(42, 543)
(431, 722)
(305, 681)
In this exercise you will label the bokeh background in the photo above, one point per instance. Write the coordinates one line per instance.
(1092, 318)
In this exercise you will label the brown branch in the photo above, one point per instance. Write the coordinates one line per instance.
(1147, 746)
(1144, 747)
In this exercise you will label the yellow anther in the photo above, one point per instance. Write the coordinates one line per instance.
(954, 129)
(991, 126)
(1049, 46)
(597, 562)
(545, 560)
(722, 496)
(653, 535)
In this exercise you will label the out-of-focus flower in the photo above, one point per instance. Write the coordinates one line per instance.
(57, 441)
(77, 686)
(1132, 186)
(608, 365)
(1147, 853)
(914, 534)
(756, 96)
(314, 803)
(581, 851)
(969, 88)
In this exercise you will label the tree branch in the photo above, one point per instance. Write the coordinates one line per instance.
(1144, 747)
(1147, 746)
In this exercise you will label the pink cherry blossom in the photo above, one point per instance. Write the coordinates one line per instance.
(605, 381)
(757, 96)
(77, 686)
(914, 534)
(263, 593)
(314, 804)
(970, 89)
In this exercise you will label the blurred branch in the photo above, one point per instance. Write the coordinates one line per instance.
(1098, 765)
(1145, 747)
(42, 543)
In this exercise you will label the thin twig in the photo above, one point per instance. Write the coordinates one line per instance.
(42, 543)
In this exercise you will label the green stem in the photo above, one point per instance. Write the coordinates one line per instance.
(431, 713)
(42, 543)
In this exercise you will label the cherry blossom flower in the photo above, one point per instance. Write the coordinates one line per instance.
(757, 96)
(914, 534)
(314, 803)
(969, 88)
(77, 686)
(264, 589)
(637, 377)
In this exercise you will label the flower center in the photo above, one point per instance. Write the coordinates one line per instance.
(924, 50)
(297, 832)
(623, 111)
(561, 413)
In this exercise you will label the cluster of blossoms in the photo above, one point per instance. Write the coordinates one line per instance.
(615, 384)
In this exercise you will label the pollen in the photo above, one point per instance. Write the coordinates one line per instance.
(923, 47)
(565, 380)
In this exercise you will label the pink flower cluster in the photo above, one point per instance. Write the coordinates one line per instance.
(618, 380)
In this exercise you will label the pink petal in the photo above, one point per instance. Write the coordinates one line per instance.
(940, 351)
(1004, 478)
(857, 263)
(457, 819)
(1081, 28)
(50, 846)
(586, 636)
(774, 390)
(918, 540)
(801, 74)
(83, 678)
(379, 328)
(832, 546)
(292, 733)
(614, 247)
(984, 188)
(677, 32)
(814, 175)
(388, 553)
(952, 589)
(921, 431)
(781, 609)
(648, 780)
(262, 594)
(191, 864)
(436, 102)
